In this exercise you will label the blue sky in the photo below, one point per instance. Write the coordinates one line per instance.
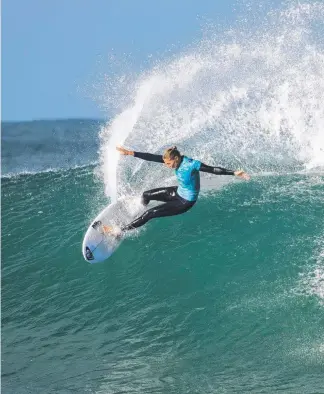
(53, 49)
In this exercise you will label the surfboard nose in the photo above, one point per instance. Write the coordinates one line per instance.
(96, 254)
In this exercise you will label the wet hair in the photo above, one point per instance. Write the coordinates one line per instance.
(171, 153)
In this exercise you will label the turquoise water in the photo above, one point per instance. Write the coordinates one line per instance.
(226, 298)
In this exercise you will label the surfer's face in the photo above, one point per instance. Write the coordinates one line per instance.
(171, 163)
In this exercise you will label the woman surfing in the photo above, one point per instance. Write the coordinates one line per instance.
(176, 199)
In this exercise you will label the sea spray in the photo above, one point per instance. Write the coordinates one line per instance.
(249, 98)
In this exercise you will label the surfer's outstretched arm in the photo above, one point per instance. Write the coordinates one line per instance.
(223, 171)
(215, 170)
(140, 155)
(149, 157)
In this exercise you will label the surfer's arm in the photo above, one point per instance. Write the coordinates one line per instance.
(223, 171)
(140, 155)
(215, 170)
(148, 157)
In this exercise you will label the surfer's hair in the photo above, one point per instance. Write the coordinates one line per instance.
(171, 153)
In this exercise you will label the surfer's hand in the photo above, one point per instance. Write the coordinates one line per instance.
(124, 151)
(242, 174)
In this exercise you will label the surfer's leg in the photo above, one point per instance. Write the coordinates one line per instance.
(164, 194)
(174, 206)
(170, 208)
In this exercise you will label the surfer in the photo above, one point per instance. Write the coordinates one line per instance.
(177, 199)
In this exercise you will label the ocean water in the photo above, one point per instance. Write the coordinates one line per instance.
(227, 298)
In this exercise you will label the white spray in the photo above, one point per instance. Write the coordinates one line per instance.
(246, 99)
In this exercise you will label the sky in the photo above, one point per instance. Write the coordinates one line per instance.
(53, 51)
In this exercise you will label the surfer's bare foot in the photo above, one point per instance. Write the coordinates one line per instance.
(109, 230)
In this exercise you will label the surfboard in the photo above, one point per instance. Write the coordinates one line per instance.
(98, 246)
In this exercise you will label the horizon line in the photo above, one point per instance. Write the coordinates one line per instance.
(54, 119)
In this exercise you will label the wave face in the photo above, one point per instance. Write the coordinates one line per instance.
(228, 297)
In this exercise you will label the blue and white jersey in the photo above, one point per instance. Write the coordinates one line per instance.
(189, 179)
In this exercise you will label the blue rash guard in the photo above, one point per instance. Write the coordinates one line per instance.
(177, 199)
(187, 174)
(189, 178)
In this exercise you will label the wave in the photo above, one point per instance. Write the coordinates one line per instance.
(38, 146)
(90, 165)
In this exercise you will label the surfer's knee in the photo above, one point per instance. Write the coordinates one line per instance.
(148, 215)
(145, 199)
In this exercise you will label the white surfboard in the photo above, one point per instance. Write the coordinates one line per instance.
(98, 246)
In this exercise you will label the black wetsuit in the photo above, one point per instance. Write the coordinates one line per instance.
(174, 204)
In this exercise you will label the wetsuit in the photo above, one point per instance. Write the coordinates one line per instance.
(177, 199)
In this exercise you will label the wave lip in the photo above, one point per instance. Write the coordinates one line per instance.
(10, 175)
